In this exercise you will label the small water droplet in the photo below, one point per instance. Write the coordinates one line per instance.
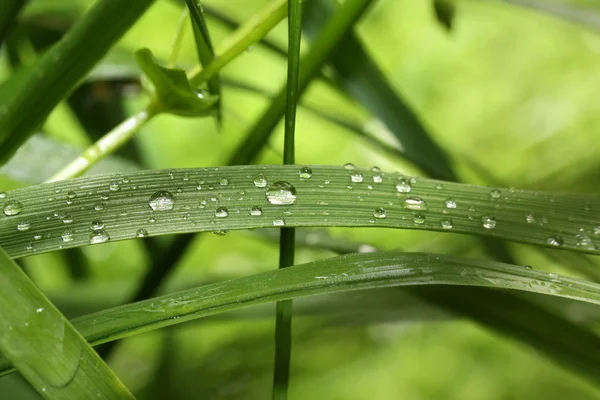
(439, 186)
(260, 181)
(221, 212)
(141, 233)
(528, 266)
(281, 193)
(152, 220)
(555, 240)
(23, 226)
(447, 224)
(349, 166)
(37, 236)
(377, 178)
(99, 236)
(13, 207)
(67, 219)
(495, 194)
(415, 203)
(67, 236)
(305, 173)
(114, 186)
(419, 219)
(256, 211)
(71, 195)
(488, 221)
(223, 181)
(221, 232)
(379, 213)
(450, 203)
(39, 310)
(403, 186)
(596, 230)
(375, 169)
(356, 177)
(584, 242)
(161, 201)
(279, 222)
(98, 206)
(97, 225)
(530, 218)
(105, 196)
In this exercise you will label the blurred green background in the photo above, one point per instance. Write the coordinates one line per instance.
(509, 93)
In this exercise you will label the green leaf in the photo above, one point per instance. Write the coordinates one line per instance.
(205, 50)
(60, 69)
(9, 10)
(170, 89)
(368, 271)
(333, 196)
(44, 346)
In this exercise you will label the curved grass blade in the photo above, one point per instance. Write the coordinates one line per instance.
(205, 50)
(576, 349)
(62, 67)
(8, 16)
(44, 346)
(61, 214)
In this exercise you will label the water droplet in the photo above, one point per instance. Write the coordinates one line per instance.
(152, 220)
(530, 218)
(161, 201)
(71, 195)
(260, 181)
(597, 230)
(495, 194)
(39, 309)
(281, 193)
(221, 232)
(415, 203)
(584, 242)
(256, 211)
(356, 177)
(488, 221)
(105, 196)
(349, 166)
(97, 225)
(305, 173)
(37, 236)
(375, 169)
(447, 224)
(67, 236)
(379, 213)
(439, 186)
(98, 206)
(377, 178)
(2, 195)
(555, 240)
(279, 222)
(13, 207)
(99, 236)
(223, 181)
(419, 219)
(221, 212)
(141, 233)
(403, 186)
(23, 226)
(114, 186)
(528, 266)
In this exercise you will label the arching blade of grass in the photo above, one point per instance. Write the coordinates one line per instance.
(44, 346)
(205, 49)
(561, 340)
(61, 214)
(8, 16)
(62, 67)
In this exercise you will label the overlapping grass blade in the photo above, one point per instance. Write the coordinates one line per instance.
(62, 67)
(37, 217)
(45, 347)
(369, 271)
(8, 16)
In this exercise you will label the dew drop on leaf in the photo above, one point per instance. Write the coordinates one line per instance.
(305, 173)
(13, 207)
(403, 186)
(279, 222)
(419, 219)
(67, 236)
(281, 193)
(97, 225)
(114, 186)
(23, 226)
(260, 181)
(99, 236)
(447, 224)
(161, 201)
(356, 177)
(221, 232)
(141, 233)
(256, 211)
(530, 218)
(379, 213)
(415, 203)
(450, 203)
(221, 212)
(488, 221)
(223, 181)
(495, 194)
(349, 166)
(555, 240)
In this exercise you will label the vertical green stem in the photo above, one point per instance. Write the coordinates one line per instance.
(283, 323)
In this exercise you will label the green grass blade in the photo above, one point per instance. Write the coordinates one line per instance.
(360, 76)
(283, 315)
(62, 67)
(357, 272)
(333, 196)
(335, 29)
(44, 346)
(205, 49)
(9, 10)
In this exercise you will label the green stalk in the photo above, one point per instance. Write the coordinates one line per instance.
(178, 39)
(283, 321)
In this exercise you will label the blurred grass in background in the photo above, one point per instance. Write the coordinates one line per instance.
(510, 93)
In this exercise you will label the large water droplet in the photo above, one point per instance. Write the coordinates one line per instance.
(221, 212)
(256, 211)
(305, 173)
(97, 225)
(419, 219)
(281, 193)
(67, 236)
(114, 186)
(403, 186)
(260, 181)
(379, 213)
(450, 203)
(99, 236)
(161, 201)
(415, 203)
(356, 177)
(488, 221)
(377, 178)
(23, 226)
(141, 233)
(495, 194)
(447, 224)
(223, 181)
(13, 207)
(555, 240)
(279, 222)
(584, 242)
